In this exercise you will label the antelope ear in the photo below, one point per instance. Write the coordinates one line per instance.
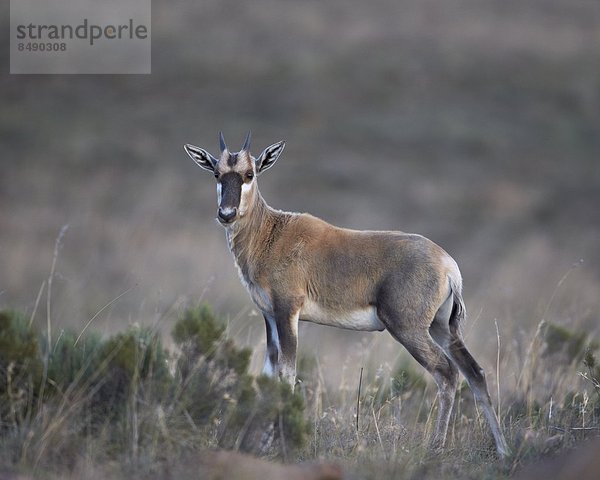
(201, 157)
(269, 156)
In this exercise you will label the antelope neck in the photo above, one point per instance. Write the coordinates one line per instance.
(252, 234)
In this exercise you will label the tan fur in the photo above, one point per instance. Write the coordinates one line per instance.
(338, 269)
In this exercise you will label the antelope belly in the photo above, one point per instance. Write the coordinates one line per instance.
(356, 319)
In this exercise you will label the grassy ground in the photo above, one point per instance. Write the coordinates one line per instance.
(84, 406)
(470, 122)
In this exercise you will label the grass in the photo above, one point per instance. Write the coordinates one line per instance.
(127, 401)
(125, 406)
(397, 411)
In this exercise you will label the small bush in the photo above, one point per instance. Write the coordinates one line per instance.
(196, 333)
(119, 395)
(200, 336)
(73, 362)
(210, 368)
(272, 411)
(134, 366)
(21, 367)
(216, 388)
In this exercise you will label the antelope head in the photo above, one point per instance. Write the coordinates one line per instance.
(236, 175)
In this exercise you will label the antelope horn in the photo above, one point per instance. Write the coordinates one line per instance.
(246, 146)
(222, 142)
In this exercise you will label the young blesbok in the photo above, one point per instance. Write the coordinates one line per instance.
(298, 267)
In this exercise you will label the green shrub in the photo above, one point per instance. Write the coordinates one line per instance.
(210, 368)
(275, 409)
(196, 333)
(199, 335)
(119, 397)
(73, 362)
(216, 388)
(136, 354)
(133, 364)
(21, 367)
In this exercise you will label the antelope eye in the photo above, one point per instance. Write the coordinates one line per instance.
(250, 175)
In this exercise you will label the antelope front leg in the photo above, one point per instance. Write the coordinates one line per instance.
(282, 342)
(272, 355)
(287, 328)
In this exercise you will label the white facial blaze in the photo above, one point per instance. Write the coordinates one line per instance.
(227, 210)
(245, 197)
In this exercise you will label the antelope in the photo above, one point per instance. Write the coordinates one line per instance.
(298, 267)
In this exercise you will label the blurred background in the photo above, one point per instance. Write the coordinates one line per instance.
(475, 123)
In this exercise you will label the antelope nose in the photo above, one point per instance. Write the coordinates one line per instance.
(227, 214)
